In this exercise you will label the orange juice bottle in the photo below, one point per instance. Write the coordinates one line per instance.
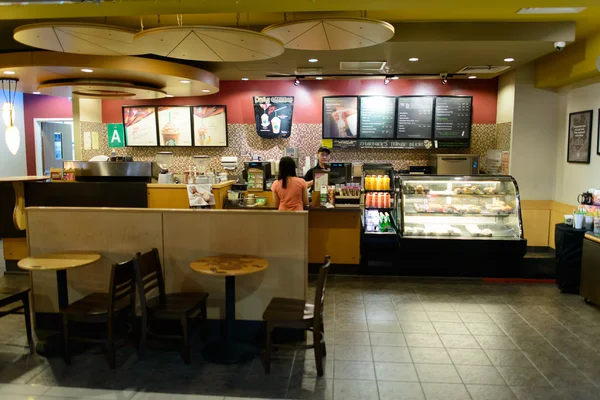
(379, 182)
(368, 182)
(386, 182)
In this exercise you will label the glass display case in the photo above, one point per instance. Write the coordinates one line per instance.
(379, 200)
(465, 207)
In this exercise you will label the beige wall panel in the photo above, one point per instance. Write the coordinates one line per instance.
(535, 225)
(280, 237)
(117, 234)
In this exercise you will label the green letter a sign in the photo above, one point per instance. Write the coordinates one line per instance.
(115, 135)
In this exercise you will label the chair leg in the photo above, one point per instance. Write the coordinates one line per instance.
(203, 321)
(67, 347)
(323, 347)
(112, 354)
(318, 351)
(27, 313)
(143, 338)
(268, 348)
(186, 350)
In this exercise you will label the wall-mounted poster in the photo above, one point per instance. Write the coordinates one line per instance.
(580, 137)
(210, 126)
(453, 117)
(140, 126)
(340, 117)
(174, 126)
(273, 116)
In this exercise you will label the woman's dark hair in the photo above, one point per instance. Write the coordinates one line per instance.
(287, 168)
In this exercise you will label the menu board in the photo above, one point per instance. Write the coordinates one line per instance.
(453, 117)
(377, 117)
(340, 117)
(415, 117)
(174, 126)
(140, 126)
(210, 126)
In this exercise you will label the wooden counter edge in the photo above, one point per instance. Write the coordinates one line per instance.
(592, 237)
(184, 186)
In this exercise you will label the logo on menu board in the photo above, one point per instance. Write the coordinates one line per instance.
(273, 115)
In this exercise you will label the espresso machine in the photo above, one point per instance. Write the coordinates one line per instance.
(164, 160)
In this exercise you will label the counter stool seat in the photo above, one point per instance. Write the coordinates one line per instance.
(177, 305)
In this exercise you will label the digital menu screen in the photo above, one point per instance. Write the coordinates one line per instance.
(340, 117)
(174, 126)
(377, 117)
(415, 117)
(140, 126)
(453, 117)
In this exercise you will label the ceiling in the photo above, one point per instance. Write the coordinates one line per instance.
(444, 36)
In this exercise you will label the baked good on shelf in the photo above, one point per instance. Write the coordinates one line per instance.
(458, 191)
(421, 208)
(473, 210)
(486, 232)
(450, 209)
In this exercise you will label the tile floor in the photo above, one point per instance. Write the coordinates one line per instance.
(387, 338)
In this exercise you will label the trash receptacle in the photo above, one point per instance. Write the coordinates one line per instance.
(568, 243)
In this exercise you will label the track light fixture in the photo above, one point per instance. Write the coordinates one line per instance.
(296, 82)
(444, 77)
(386, 80)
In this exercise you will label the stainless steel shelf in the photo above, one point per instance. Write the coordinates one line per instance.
(427, 214)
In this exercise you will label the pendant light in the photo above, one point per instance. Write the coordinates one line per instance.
(12, 135)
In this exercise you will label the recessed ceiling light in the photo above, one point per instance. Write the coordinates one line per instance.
(313, 60)
(170, 95)
(413, 59)
(205, 91)
(36, 92)
(9, 72)
(472, 77)
(551, 10)
(244, 79)
(87, 70)
(184, 81)
(319, 78)
(509, 59)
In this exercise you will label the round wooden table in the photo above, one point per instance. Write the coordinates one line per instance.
(228, 350)
(19, 219)
(59, 262)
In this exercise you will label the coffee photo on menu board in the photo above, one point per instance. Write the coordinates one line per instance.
(140, 126)
(340, 117)
(174, 126)
(210, 126)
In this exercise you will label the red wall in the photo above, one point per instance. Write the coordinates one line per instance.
(39, 106)
(237, 96)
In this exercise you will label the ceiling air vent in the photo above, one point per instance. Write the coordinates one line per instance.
(362, 65)
(483, 69)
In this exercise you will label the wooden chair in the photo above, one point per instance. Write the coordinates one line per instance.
(296, 314)
(182, 307)
(10, 296)
(117, 304)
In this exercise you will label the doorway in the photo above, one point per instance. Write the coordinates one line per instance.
(57, 144)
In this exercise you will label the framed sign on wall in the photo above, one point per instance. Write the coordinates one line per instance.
(210, 126)
(580, 137)
(140, 126)
(340, 117)
(175, 126)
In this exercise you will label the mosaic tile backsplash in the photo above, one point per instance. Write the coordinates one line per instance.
(244, 142)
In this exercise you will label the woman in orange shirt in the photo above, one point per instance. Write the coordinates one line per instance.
(289, 192)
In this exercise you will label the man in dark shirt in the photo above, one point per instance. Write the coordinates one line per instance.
(323, 156)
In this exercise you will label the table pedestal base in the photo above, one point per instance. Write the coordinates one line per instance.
(228, 352)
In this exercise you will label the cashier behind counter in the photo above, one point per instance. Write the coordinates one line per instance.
(322, 156)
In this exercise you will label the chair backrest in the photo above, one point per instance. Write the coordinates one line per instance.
(149, 276)
(122, 284)
(320, 291)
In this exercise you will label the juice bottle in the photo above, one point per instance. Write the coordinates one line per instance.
(380, 200)
(368, 200)
(387, 200)
(378, 183)
(386, 182)
(368, 182)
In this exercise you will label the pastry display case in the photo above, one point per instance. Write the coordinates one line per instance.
(459, 207)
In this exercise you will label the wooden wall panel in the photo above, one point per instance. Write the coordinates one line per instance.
(335, 233)
(536, 226)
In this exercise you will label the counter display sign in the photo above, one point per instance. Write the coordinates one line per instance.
(453, 117)
(273, 115)
(415, 117)
(395, 144)
(377, 117)
(175, 126)
(580, 137)
(340, 117)
(210, 126)
(345, 144)
(140, 126)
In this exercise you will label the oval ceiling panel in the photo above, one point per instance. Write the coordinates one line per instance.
(208, 43)
(79, 38)
(331, 33)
